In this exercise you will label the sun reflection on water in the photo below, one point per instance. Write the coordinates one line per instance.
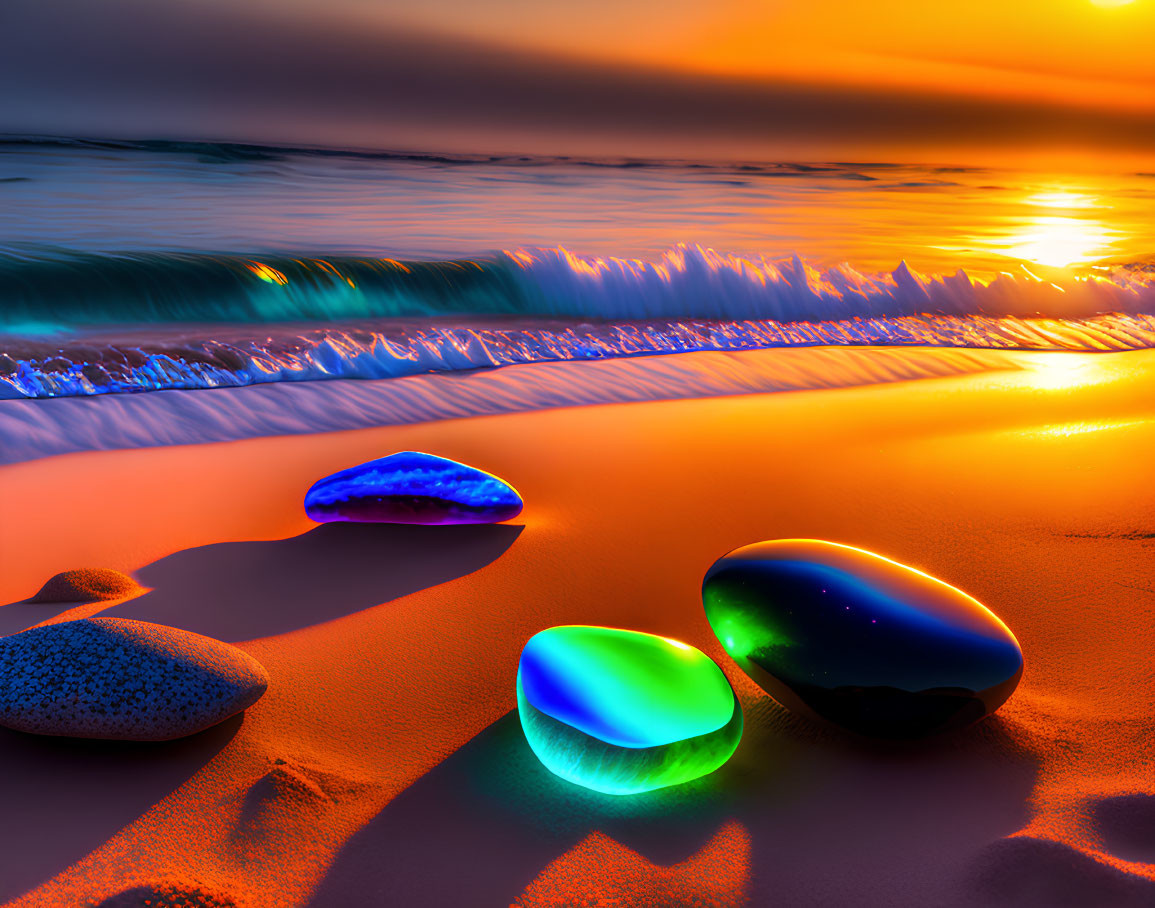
(1060, 241)
(1062, 199)
(1055, 232)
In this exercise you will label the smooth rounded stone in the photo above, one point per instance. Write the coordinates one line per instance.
(871, 645)
(623, 712)
(412, 487)
(120, 679)
(87, 585)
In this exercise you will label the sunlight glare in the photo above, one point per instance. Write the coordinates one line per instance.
(1062, 199)
(1060, 372)
(1060, 241)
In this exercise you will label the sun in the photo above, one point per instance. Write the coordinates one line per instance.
(1112, 2)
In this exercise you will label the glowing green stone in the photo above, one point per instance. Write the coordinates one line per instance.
(621, 711)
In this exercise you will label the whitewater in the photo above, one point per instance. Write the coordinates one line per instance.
(387, 318)
(149, 266)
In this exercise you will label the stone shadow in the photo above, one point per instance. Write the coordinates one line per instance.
(65, 797)
(832, 820)
(243, 590)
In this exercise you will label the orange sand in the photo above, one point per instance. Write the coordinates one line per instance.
(383, 766)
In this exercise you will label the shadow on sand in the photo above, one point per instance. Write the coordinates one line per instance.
(244, 590)
(828, 817)
(65, 797)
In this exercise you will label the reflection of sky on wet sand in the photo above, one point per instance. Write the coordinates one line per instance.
(873, 216)
(1058, 373)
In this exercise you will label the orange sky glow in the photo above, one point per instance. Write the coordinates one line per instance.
(1078, 54)
(1049, 82)
(1074, 51)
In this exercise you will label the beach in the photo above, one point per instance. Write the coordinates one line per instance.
(385, 765)
(600, 455)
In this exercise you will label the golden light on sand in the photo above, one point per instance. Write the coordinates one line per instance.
(1059, 371)
(1070, 429)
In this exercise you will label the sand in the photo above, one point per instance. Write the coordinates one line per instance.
(385, 765)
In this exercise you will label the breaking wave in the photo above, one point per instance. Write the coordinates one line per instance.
(206, 321)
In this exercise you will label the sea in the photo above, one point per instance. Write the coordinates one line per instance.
(141, 266)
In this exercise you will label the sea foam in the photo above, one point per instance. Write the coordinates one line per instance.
(98, 324)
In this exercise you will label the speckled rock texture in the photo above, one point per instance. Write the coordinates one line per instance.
(87, 585)
(167, 895)
(124, 680)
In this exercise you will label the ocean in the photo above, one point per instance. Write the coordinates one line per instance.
(132, 266)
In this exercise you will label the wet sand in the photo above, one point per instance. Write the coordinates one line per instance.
(386, 766)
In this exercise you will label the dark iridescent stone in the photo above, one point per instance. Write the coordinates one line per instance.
(412, 487)
(866, 643)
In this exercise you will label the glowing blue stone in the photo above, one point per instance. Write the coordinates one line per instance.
(624, 712)
(876, 647)
(412, 487)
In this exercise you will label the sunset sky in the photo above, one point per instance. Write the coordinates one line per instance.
(753, 78)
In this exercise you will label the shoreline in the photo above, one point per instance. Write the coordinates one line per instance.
(34, 428)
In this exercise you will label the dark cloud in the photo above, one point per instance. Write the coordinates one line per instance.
(122, 67)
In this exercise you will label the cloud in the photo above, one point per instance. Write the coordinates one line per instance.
(146, 69)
